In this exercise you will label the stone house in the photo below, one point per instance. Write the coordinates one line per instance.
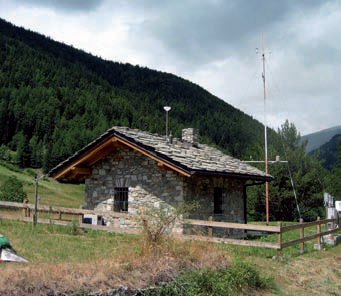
(127, 169)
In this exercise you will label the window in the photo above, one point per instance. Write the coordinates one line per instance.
(121, 199)
(218, 201)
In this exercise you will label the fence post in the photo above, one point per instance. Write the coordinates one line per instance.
(35, 213)
(332, 227)
(319, 233)
(210, 229)
(80, 219)
(302, 236)
(25, 207)
(279, 251)
(50, 214)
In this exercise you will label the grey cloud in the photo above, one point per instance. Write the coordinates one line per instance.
(65, 5)
(212, 43)
(209, 30)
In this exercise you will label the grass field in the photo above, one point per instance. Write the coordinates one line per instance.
(313, 273)
(64, 259)
(68, 258)
(50, 192)
(98, 259)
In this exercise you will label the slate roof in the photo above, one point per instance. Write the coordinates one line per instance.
(200, 159)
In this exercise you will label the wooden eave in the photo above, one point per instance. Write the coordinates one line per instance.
(261, 179)
(80, 168)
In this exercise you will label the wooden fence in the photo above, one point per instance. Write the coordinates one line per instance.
(63, 216)
(332, 226)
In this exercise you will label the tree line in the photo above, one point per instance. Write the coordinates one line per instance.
(54, 99)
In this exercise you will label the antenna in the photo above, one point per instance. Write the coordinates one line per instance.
(266, 161)
(167, 109)
(265, 135)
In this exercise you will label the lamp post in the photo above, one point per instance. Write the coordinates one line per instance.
(167, 109)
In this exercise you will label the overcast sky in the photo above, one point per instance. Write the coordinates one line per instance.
(213, 43)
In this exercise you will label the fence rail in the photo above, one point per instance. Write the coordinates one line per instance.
(65, 215)
(62, 210)
(254, 227)
(332, 226)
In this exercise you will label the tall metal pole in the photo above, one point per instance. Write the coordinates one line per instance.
(166, 123)
(167, 109)
(265, 137)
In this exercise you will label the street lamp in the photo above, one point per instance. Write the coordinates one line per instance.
(167, 109)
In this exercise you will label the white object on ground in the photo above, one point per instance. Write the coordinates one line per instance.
(8, 256)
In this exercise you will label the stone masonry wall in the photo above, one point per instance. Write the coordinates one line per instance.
(148, 184)
(201, 189)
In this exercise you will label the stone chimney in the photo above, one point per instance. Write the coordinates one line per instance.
(191, 136)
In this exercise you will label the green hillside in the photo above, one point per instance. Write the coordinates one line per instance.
(316, 140)
(54, 99)
(328, 153)
(50, 192)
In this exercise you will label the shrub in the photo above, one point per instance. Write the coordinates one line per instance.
(73, 228)
(12, 190)
(5, 153)
(238, 279)
(158, 222)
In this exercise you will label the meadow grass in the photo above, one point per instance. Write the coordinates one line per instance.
(53, 243)
(66, 258)
(97, 259)
(54, 251)
(50, 192)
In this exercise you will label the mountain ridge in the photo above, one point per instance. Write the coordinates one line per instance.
(317, 139)
(328, 153)
(54, 99)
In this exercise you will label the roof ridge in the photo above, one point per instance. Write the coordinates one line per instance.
(200, 158)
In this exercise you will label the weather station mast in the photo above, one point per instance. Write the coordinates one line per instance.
(266, 159)
(265, 137)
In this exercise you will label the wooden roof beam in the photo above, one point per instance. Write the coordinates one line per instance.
(104, 149)
(83, 159)
(157, 159)
(81, 171)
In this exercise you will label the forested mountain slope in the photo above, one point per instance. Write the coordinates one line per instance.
(328, 153)
(55, 98)
(316, 140)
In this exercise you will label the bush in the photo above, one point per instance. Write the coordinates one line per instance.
(238, 279)
(12, 190)
(5, 153)
(159, 222)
